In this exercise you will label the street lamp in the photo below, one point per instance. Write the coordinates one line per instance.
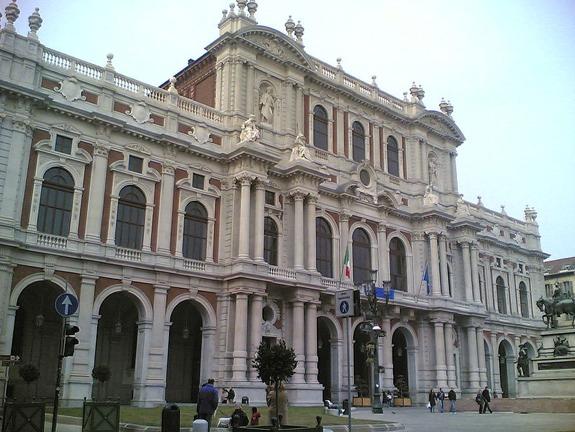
(375, 331)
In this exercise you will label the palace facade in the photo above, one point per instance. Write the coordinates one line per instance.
(196, 219)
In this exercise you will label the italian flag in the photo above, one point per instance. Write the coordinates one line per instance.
(346, 264)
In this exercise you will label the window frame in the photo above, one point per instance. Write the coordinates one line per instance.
(398, 264)
(324, 247)
(195, 231)
(523, 300)
(271, 241)
(69, 142)
(56, 202)
(320, 128)
(361, 256)
(392, 150)
(501, 295)
(358, 142)
(135, 215)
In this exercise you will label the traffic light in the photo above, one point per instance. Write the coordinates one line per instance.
(356, 303)
(70, 341)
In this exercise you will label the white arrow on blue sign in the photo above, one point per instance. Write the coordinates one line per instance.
(66, 304)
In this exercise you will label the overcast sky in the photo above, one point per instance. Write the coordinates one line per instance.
(508, 67)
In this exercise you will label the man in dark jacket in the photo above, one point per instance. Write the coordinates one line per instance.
(239, 417)
(207, 401)
(452, 398)
(486, 400)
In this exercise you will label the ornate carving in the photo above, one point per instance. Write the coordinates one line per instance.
(200, 134)
(101, 150)
(462, 207)
(139, 147)
(70, 88)
(249, 133)
(267, 103)
(299, 150)
(140, 112)
(430, 198)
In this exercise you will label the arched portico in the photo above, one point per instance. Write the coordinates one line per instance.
(404, 356)
(506, 358)
(329, 344)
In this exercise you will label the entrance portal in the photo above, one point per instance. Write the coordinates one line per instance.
(400, 364)
(184, 354)
(361, 375)
(36, 340)
(506, 369)
(324, 358)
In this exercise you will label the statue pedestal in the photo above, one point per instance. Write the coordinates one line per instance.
(553, 370)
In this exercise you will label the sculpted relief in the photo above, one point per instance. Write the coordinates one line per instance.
(267, 103)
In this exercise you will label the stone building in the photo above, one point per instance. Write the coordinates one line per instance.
(559, 274)
(196, 219)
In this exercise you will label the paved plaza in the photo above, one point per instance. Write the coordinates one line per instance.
(420, 419)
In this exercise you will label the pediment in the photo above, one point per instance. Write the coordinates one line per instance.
(276, 45)
(441, 125)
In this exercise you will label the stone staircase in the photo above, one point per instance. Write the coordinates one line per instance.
(520, 405)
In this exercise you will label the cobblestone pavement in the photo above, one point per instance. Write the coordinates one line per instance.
(420, 419)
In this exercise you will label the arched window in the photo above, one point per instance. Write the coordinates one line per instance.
(392, 156)
(361, 256)
(320, 127)
(397, 265)
(131, 218)
(56, 200)
(523, 301)
(501, 303)
(323, 246)
(358, 142)
(270, 241)
(195, 231)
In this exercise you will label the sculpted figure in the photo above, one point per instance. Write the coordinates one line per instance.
(249, 130)
(267, 105)
(523, 361)
(300, 150)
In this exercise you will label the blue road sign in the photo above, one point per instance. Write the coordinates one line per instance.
(344, 307)
(66, 304)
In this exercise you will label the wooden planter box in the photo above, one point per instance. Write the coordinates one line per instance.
(402, 402)
(361, 401)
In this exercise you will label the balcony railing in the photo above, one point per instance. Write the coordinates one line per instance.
(281, 272)
(194, 265)
(128, 254)
(52, 241)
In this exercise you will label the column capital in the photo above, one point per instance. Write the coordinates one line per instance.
(260, 183)
(312, 199)
(465, 244)
(89, 279)
(418, 235)
(297, 195)
(161, 289)
(381, 227)
(344, 216)
(101, 149)
(474, 245)
(245, 179)
(432, 235)
(168, 168)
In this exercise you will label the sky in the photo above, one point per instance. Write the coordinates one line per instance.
(507, 66)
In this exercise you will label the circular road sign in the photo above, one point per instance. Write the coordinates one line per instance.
(66, 304)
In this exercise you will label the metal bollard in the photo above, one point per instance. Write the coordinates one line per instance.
(200, 425)
(171, 418)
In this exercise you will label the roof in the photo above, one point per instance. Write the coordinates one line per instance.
(558, 265)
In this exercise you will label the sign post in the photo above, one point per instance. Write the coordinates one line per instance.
(345, 308)
(66, 304)
(7, 361)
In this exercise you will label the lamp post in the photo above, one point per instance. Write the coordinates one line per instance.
(375, 331)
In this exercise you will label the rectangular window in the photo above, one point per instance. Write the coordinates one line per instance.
(568, 288)
(270, 198)
(548, 290)
(498, 262)
(198, 181)
(63, 144)
(135, 164)
(520, 268)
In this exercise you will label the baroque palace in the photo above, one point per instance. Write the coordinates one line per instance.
(196, 219)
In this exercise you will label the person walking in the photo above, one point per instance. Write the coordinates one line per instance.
(480, 401)
(207, 402)
(440, 398)
(431, 403)
(452, 398)
(486, 400)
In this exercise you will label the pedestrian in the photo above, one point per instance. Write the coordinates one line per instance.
(486, 400)
(452, 398)
(255, 420)
(207, 402)
(231, 395)
(480, 401)
(431, 403)
(440, 398)
(239, 417)
(389, 398)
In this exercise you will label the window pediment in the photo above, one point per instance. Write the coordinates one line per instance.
(441, 125)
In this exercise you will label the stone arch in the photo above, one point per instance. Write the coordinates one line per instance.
(329, 355)
(205, 308)
(506, 358)
(142, 303)
(406, 366)
(38, 277)
(408, 257)
(205, 203)
(147, 189)
(76, 175)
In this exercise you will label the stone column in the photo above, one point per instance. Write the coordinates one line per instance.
(299, 107)
(80, 379)
(440, 366)
(311, 235)
(453, 171)
(450, 361)
(473, 368)
(97, 191)
(255, 334)
(387, 358)
(467, 271)
(495, 365)
(259, 222)
(513, 309)
(6, 272)
(475, 273)
(250, 108)
(244, 222)
(157, 363)
(311, 357)
(298, 341)
(481, 358)
(344, 238)
(488, 285)
(383, 252)
(298, 198)
(240, 338)
(435, 279)
(443, 266)
(166, 205)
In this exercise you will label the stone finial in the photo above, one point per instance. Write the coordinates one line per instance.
(530, 214)
(241, 7)
(420, 93)
(224, 15)
(338, 60)
(405, 97)
(109, 64)
(252, 9)
(446, 107)
(413, 91)
(12, 13)
(34, 22)
(172, 88)
(479, 202)
(290, 26)
(503, 212)
(298, 30)
(373, 82)
(232, 10)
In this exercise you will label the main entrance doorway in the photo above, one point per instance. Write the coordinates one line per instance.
(400, 363)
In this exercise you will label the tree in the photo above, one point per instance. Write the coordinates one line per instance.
(29, 373)
(275, 364)
(101, 374)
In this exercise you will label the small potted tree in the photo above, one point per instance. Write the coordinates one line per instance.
(101, 374)
(29, 373)
(275, 365)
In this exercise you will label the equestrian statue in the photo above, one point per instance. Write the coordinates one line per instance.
(562, 302)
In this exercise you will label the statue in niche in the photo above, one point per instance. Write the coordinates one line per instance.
(250, 132)
(432, 167)
(300, 150)
(266, 104)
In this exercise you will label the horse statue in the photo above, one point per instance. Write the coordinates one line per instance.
(555, 308)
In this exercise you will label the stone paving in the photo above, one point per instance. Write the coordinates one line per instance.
(420, 419)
